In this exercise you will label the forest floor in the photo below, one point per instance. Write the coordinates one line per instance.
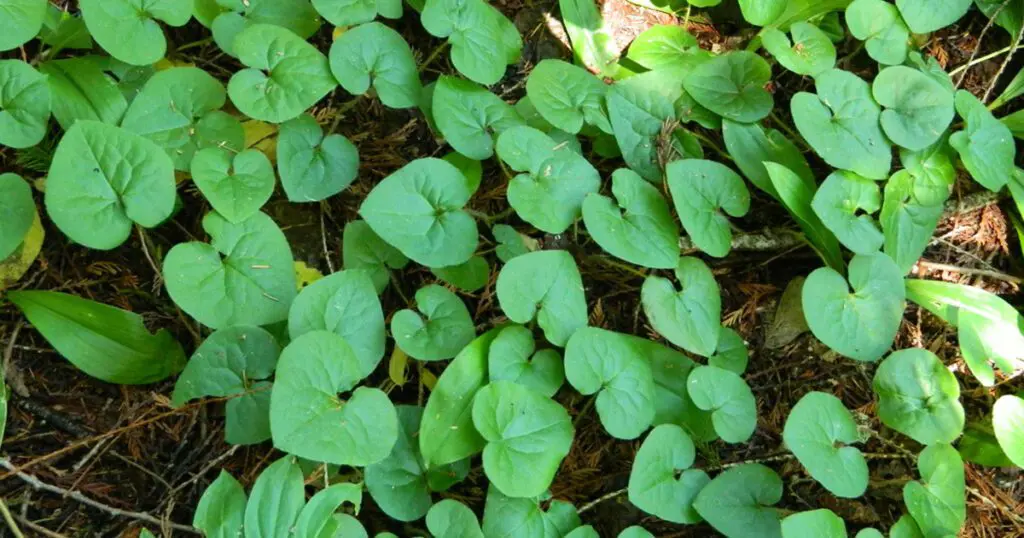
(127, 450)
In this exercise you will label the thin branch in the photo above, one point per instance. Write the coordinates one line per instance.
(935, 266)
(38, 528)
(982, 60)
(981, 36)
(1005, 64)
(9, 519)
(323, 239)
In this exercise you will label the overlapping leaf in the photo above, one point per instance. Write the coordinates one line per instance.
(568, 96)
(689, 318)
(733, 86)
(919, 397)
(986, 146)
(879, 24)
(375, 54)
(24, 104)
(819, 431)
(513, 357)
(470, 117)
(808, 52)
(728, 398)
(918, 109)
(700, 191)
(845, 203)
(738, 502)
(546, 285)
(128, 30)
(440, 329)
(661, 482)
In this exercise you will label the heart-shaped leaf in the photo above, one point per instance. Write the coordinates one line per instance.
(295, 15)
(818, 431)
(879, 24)
(318, 517)
(689, 318)
(103, 179)
(798, 197)
(276, 500)
(545, 284)
(821, 523)
(470, 117)
(907, 223)
(924, 16)
(363, 250)
(728, 398)
(128, 30)
(244, 276)
(312, 166)
(933, 171)
(510, 517)
(593, 45)
(733, 86)
(452, 519)
(917, 108)
(472, 275)
(483, 41)
(221, 510)
(523, 429)
(700, 190)
(661, 482)
(667, 46)
(637, 225)
(21, 22)
(346, 304)
(24, 104)
(17, 212)
(308, 419)
(731, 353)
(937, 504)
(418, 210)
(986, 146)
(231, 362)
(80, 90)
(845, 203)
(568, 96)
(919, 397)
(447, 328)
(750, 145)
(352, 12)
(285, 75)
(862, 324)
(841, 124)
(374, 53)
(738, 502)
(639, 108)
(237, 185)
(810, 51)
(512, 243)
(615, 366)
(512, 358)
(1008, 423)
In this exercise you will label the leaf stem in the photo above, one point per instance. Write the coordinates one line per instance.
(789, 130)
(621, 266)
(433, 55)
(711, 144)
(9, 519)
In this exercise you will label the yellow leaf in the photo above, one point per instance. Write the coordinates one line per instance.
(396, 366)
(165, 64)
(14, 266)
(306, 275)
(429, 379)
(338, 30)
(262, 136)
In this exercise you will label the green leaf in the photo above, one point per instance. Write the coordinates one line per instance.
(862, 324)
(285, 75)
(128, 30)
(845, 203)
(672, 402)
(841, 124)
(639, 108)
(919, 397)
(363, 250)
(513, 357)
(616, 368)
(635, 532)
(24, 104)
(295, 15)
(924, 16)
(585, 531)
(661, 482)
(483, 41)
(470, 168)
(221, 509)
(819, 431)
(986, 146)
(318, 516)
(470, 276)
(879, 24)
(447, 434)
(545, 284)
(352, 12)
(593, 44)
(470, 117)
(346, 525)
(346, 304)
(230, 363)
(508, 517)
(107, 343)
(244, 276)
(664, 46)
(980, 445)
(869, 533)
(205, 11)
(821, 523)
(1013, 90)
(79, 90)
(637, 226)
(312, 166)
(440, 332)
(905, 527)
(1015, 122)
(797, 196)
(937, 504)
(21, 21)
(731, 353)
(933, 172)
(738, 502)
(568, 96)
(917, 108)
(103, 179)
(689, 318)
(374, 53)
(452, 519)
(17, 212)
(700, 189)
(1010, 16)
(549, 195)
(512, 243)
(810, 52)
(751, 146)
(276, 499)
(1008, 423)
(418, 210)
(733, 86)
(762, 12)
(236, 184)
(728, 398)
(802, 10)
(907, 224)
(523, 429)
(308, 419)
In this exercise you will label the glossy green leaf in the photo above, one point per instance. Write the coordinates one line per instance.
(879, 24)
(346, 304)
(808, 52)
(244, 276)
(21, 21)
(285, 75)
(470, 117)
(80, 90)
(418, 210)
(24, 104)
(513, 357)
(672, 403)
(275, 501)
(568, 96)
(728, 398)
(483, 41)
(665, 46)
(819, 431)
(802, 10)
(205, 11)
(917, 109)
(797, 196)
(107, 343)
(1015, 122)
(863, 323)
(236, 184)
(925, 16)
(593, 42)
(733, 86)
(375, 54)
(635, 531)
(310, 420)
(352, 12)
(986, 146)
(221, 509)
(845, 203)
(439, 330)
(738, 502)
(919, 397)
(318, 516)
(512, 243)
(295, 15)
(546, 285)
(363, 250)
(452, 519)
(616, 368)
(701, 190)
(762, 12)
(905, 527)
(510, 517)
(751, 146)
(1008, 424)
(312, 166)
(937, 503)
(638, 108)
(821, 523)
(17, 212)
(841, 124)
(731, 353)
(689, 318)
(470, 276)
(585, 531)
(102, 180)
(907, 224)
(933, 171)
(980, 445)
(661, 482)
(128, 30)
(869, 533)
